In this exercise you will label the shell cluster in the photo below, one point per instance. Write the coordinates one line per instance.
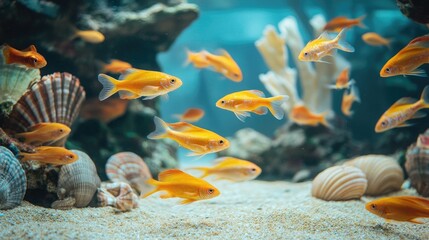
(77, 184)
(13, 182)
(118, 195)
(339, 183)
(417, 167)
(128, 167)
(383, 173)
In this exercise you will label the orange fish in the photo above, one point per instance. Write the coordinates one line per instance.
(28, 57)
(233, 169)
(137, 83)
(324, 45)
(198, 59)
(50, 155)
(408, 59)
(342, 80)
(200, 141)
(349, 99)
(90, 36)
(225, 65)
(303, 116)
(339, 23)
(116, 66)
(373, 39)
(402, 110)
(240, 103)
(104, 111)
(400, 208)
(44, 133)
(191, 115)
(182, 185)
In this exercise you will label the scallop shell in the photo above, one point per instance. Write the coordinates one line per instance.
(417, 167)
(55, 98)
(13, 182)
(383, 173)
(78, 181)
(130, 168)
(339, 183)
(119, 195)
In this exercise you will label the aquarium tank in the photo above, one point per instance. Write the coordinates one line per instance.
(214, 119)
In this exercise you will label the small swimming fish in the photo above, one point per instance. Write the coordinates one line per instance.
(349, 99)
(408, 59)
(232, 169)
(50, 155)
(182, 185)
(104, 111)
(200, 141)
(44, 133)
(342, 80)
(402, 110)
(191, 115)
(323, 46)
(240, 103)
(116, 66)
(301, 115)
(225, 65)
(137, 83)
(198, 59)
(373, 39)
(90, 36)
(28, 57)
(400, 208)
(339, 23)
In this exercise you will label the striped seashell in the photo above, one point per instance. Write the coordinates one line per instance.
(55, 98)
(79, 181)
(13, 182)
(130, 168)
(339, 183)
(383, 173)
(118, 195)
(417, 167)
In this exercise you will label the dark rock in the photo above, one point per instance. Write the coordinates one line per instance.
(416, 10)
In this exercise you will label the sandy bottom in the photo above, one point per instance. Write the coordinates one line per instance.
(249, 210)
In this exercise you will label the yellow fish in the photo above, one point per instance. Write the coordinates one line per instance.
(323, 46)
(339, 23)
(182, 185)
(252, 101)
(137, 83)
(225, 65)
(44, 133)
(301, 115)
(349, 99)
(90, 36)
(233, 169)
(400, 208)
(50, 155)
(200, 141)
(342, 80)
(402, 110)
(373, 39)
(191, 115)
(408, 59)
(198, 59)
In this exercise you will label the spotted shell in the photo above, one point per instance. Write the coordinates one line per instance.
(339, 183)
(383, 173)
(78, 181)
(130, 168)
(13, 182)
(119, 195)
(55, 98)
(417, 167)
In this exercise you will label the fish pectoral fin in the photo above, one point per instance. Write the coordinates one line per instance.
(150, 97)
(192, 194)
(418, 72)
(331, 52)
(124, 94)
(405, 124)
(261, 111)
(166, 195)
(418, 115)
(415, 221)
(150, 89)
(187, 201)
(241, 115)
(165, 97)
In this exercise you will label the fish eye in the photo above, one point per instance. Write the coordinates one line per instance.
(223, 102)
(373, 206)
(306, 54)
(253, 169)
(172, 81)
(388, 70)
(221, 142)
(383, 124)
(61, 130)
(70, 156)
(211, 191)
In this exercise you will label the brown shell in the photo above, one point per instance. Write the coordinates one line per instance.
(417, 167)
(119, 195)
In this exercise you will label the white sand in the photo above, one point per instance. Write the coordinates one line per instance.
(250, 210)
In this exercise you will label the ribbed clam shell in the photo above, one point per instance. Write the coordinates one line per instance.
(417, 167)
(55, 98)
(339, 183)
(119, 195)
(130, 168)
(13, 182)
(383, 173)
(78, 180)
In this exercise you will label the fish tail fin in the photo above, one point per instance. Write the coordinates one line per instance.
(325, 122)
(425, 96)
(161, 129)
(341, 43)
(360, 20)
(109, 86)
(205, 171)
(188, 57)
(351, 83)
(275, 106)
(355, 91)
(152, 182)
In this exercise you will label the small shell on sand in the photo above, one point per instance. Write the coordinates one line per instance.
(119, 195)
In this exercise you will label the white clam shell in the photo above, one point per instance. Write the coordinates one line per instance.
(339, 183)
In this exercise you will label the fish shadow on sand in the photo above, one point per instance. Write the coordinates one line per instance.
(393, 230)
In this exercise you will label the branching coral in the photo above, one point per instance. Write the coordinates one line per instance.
(282, 79)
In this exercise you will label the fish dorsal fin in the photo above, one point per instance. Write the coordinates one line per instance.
(184, 127)
(422, 41)
(404, 101)
(256, 92)
(31, 48)
(126, 73)
(325, 36)
(174, 175)
(224, 53)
